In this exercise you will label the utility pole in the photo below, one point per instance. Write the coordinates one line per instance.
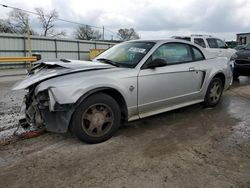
(103, 33)
(28, 41)
(28, 37)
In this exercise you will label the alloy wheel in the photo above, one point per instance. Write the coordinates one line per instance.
(215, 92)
(97, 120)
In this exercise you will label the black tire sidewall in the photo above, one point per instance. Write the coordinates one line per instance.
(76, 125)
(207, 101)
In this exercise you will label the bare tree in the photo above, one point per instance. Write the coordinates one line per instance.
(87, 33)
(47, 21)
(6, 27)
(128, 34)
(19, 21)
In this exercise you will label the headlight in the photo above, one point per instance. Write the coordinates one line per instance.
(43, 99)
(233, 57)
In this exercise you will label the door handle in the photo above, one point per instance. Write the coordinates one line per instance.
(191, 69)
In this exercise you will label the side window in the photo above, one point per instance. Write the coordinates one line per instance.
(197, 54)
(220, 43)
(212, 43)
(173, 53)
(200, 42)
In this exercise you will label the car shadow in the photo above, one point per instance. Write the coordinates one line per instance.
(194, 120)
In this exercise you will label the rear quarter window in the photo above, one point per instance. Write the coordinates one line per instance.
(198, 55)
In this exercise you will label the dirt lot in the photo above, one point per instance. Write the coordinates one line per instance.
(190, 147)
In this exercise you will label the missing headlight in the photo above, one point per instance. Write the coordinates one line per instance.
(43, 100)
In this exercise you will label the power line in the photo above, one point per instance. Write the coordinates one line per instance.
(59, 19)
(35, 13)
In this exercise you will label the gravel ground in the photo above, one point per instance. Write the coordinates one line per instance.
(10, 102)
(189, 147)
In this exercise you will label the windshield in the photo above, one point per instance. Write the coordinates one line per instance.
(127, 54)
(247, 47)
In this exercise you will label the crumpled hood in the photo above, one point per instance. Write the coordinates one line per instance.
(50, 69)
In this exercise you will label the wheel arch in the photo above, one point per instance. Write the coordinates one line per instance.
(114, 93)
(208, 101)
(221, 76)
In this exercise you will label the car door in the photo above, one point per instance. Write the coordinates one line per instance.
(176, 83)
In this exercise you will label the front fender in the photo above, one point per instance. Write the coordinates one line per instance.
(70, 94)
(69, 89)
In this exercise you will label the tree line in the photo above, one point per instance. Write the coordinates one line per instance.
(18, 22)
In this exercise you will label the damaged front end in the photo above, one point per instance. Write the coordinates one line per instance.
(42, 111)
(31, 109)
(49, 102)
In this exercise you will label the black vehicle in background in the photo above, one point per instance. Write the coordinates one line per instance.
(242, 62)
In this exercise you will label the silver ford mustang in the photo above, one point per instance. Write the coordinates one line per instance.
(131, 80)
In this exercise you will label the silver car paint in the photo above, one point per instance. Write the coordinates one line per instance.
(155, 90)
(62, 68)
(178, 85)
(186, 87)
(76, 85)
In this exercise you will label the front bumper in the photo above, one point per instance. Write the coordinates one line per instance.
(242, 67)
(38, 113)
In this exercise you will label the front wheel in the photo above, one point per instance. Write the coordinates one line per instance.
(214, 93)
(96, 119)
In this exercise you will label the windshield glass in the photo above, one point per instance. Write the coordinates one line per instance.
(247, 47)
(127, 54)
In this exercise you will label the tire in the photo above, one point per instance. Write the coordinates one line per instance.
(96, 119)
(213, 95)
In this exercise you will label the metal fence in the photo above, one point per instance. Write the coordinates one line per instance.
(49, 48)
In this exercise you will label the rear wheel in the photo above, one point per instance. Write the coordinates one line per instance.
(96, 119)
(214, 93)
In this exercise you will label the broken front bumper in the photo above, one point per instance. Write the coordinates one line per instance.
(43, 111)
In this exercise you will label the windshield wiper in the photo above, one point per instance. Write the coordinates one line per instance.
(108, 61)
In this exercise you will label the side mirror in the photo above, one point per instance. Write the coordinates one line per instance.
(157, 63)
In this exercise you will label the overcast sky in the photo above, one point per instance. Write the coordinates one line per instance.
(150, 18)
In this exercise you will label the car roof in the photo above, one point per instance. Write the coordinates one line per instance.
(152, 40)
(194, 35)
(166, 41)
(160, 40)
